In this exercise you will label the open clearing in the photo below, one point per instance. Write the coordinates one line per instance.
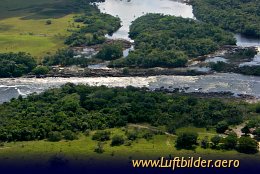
(23, 25)
(83, 148)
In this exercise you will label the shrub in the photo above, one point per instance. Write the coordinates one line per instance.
(215, 140)
(2, 144)
(48, 22)
(99, 148)
(222, 127)
(128, 143)
(101, 136)
(41, 70)
(230, 142)
(257, 108)
(186, 140)
(247, 145)
(126, 71)
(110, 52)
(205, 143)
(148, 135)
(117, 140)
(132, 135)
(87, 132)
(245, 130)
(54, 136)
(69, 135)
(171, 128)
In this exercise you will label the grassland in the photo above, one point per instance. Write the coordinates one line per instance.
(83, 148)
(23, 25)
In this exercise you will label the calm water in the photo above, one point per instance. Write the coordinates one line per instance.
(128, 11)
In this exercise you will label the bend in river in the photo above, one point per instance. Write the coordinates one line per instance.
(129, 10)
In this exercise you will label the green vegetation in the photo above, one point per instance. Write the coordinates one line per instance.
(222, 127)
(101, 136)
(249, 70)
(247, 145)
(23, 25)
(240, 16)
(117, 140)
(186, 140)
(236, 57)
(65, 57)
(40, 27)
(242, 54)
(16, 64)
(94, 26)
(84, 148)
(41, 70)
(168, 41)
(79, 108)
(228, 67)
(110, 52)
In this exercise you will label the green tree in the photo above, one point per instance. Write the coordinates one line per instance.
(117, 140)
(222, 127)
(215, 140)
(54, 136)
(41, 70)
(101, 136)
(247, 145)
(69, 135)
(230, 141)
(186, 140)
(110, 52)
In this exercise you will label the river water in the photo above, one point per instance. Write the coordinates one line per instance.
(128, 10)
(238, 84)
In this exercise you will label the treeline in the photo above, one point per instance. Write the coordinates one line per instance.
(227, 67)
(240, 16)
(65, 57)
(168, 41)
(92, 27)
(78, 108)
(16, 64)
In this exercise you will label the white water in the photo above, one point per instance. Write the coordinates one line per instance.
(238, 84)
(128, 11)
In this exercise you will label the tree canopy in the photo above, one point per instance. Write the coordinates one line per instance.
(78, 108)
(240, 16)
(169, 41)
(16, 64)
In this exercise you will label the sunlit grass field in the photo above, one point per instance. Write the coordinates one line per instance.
(23, 25)
(83, 148)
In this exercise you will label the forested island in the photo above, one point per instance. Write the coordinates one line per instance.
(168, 41)
(238, 16)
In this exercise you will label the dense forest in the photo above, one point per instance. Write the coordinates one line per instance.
(240, 16)
(168, 41)
(65, 57)
(78, 108)
(16, 64)
(92, 27)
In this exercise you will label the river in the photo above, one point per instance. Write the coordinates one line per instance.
(128, 10)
